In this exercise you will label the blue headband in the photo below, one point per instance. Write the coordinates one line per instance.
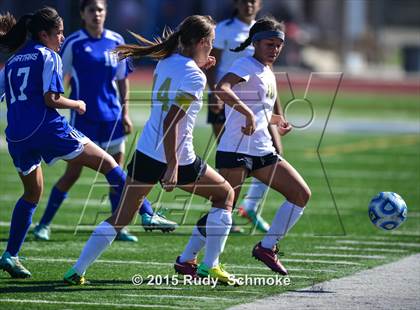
(268, 35)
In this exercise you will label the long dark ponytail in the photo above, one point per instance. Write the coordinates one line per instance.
(263, 24)
(13, 34)
(190, 31)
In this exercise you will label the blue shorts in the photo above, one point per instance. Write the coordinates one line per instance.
(105, 134)
(51, 142)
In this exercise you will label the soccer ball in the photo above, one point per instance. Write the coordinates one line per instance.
(387, 210)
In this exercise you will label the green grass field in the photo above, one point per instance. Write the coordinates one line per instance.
(330, 241)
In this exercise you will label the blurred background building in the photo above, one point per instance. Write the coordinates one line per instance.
(356, 36)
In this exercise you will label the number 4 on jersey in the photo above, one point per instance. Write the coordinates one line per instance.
(163, 92)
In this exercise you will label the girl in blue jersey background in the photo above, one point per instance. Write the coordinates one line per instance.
(97, 78)
(32, 83)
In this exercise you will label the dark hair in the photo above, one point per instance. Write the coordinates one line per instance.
(263, 24)
(13, 34)
(190, 31)
(84, 3)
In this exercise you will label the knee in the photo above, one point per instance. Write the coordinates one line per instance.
(72, 175)
(226, 197)
(108, 164)
(304, 196)
(33, 194)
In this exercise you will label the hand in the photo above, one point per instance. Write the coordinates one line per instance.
(215, 104)
(170, 178)
(81, 108)
(283, 126)
(250, 125)
(128, 125)
(211, 61)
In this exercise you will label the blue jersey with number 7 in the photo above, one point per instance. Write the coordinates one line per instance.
(30, 73)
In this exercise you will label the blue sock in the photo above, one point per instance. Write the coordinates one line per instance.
(54, 202)
(146, 207)
(114, 198)
(116, 178)
(19, 226)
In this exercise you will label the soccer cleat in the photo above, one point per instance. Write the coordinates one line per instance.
(124, 235)
(218, 272)
(269, 258)
(72, 278)
(42, 232)
(186, 268)
(13, 266)
(157, 221)
(254, 218)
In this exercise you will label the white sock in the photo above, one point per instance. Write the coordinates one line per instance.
(101, 238)
(195, 244)
(286, 217)
(254, 195)
(219, 222)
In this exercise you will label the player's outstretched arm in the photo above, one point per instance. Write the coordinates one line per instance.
(56, 101)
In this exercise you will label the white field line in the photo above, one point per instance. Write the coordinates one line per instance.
(177, 297)
(345, 248)
(138, 228)
(156, 288)
(339, 255)
(396, 243)
(143, 263)
(271, 275)
(408, 232)
(318, 261)
(80, 303)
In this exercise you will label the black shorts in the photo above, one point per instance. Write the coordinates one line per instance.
(235, 160)
(145, 169)
(215, 118)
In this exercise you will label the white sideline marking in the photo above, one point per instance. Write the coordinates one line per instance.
(340, 255)
(396, 243)
(178, 297)
(41, 301)
(103, 261)
(272, 275)
(406, 233)
(345, 248)
(318, 261)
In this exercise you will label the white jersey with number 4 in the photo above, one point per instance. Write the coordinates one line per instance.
(174, 77)
(258, 91)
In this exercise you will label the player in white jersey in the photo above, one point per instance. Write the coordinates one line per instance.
(230, 33)
(165, 151)
(249, 92)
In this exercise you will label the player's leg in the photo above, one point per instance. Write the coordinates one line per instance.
(21, 221)
(137, 186)
(248, 207)
(117, 152)
(282, 177)
(150, 220)
(57, 196)
(214, 187)
(105, 233)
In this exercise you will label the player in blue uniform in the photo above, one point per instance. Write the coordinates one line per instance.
(87, 56)
(32, 83)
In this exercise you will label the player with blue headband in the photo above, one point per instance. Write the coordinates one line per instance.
(246, 148)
